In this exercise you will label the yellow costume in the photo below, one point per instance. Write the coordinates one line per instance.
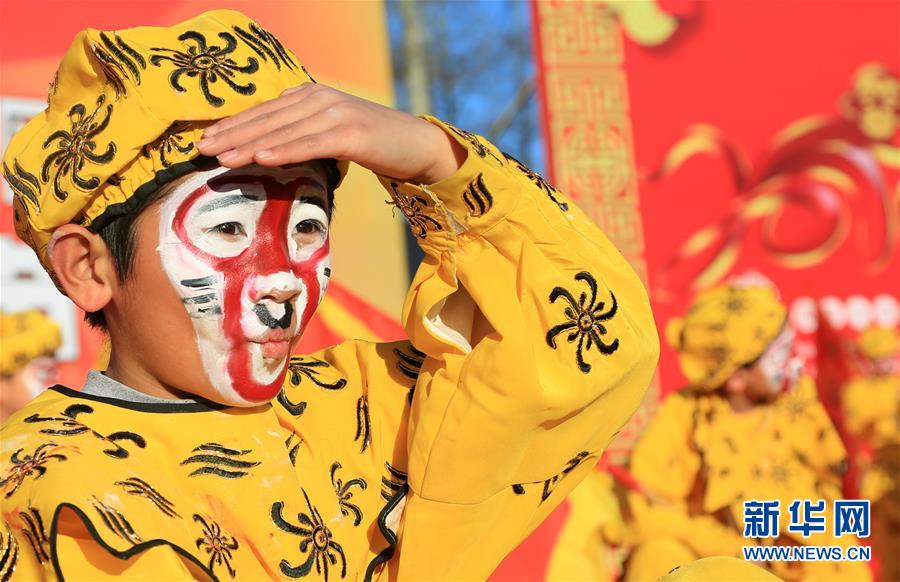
(699, 460)
(871, 405)
(534, 343)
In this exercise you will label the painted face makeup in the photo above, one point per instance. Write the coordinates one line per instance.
(247, 251)
(779, 364)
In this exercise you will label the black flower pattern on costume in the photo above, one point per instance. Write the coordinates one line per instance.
(310, 368)
(140, 488)
(410, 365)
(76, 147)
(67, 424)
(208, 63)
(36, 534)
(293, 447)
(266, 45)
(217, 543)
(344, 493)
(316, 540)
(412, 207)
(116, 522)
(481, 150)
(9, 554)
(539, 181)
(477, 198)
(215, 459)
(363, 423)
(586, 317)
(171, 142)
(549, 485)
(393, 482)
(23, 466)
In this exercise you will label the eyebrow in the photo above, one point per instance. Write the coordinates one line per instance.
(315, 201)
(229, 200)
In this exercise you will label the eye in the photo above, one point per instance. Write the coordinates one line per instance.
(230, 231)
(309, 226)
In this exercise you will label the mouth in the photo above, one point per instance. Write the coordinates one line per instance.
(274, 346)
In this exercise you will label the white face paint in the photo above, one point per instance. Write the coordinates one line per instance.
(247, 251)
(779, 364)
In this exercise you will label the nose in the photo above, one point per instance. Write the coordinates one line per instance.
(276, 287)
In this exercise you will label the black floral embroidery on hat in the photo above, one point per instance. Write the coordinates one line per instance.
(477, 197)
(266, 45)
(216, 542)
(585, 320)
(75, 147)
(9, 554)
(118, 61)
(24, 466)
(140, 488)
(539, 181)
(208, 63)
(344, 493)
(170, 143)
(24, 184)
(316, 539)
(67, 424)
(36, 534)
(412, 206)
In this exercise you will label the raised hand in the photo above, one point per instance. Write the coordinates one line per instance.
(314, 121)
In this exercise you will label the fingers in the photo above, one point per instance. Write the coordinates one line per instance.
(244, 153)
(339, 142)
(289, 96)
(265, 123)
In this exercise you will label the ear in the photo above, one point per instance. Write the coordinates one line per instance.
(738, 381)
(84, 266)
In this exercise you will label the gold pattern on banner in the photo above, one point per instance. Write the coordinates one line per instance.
(592, 155)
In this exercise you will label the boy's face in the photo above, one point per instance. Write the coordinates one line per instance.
(246, 253)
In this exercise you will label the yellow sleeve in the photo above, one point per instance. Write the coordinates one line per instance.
(537, 345)
(667, 467)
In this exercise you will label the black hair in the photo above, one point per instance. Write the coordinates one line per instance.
(119, 232)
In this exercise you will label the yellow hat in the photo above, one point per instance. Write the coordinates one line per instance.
(25, 336)
(877, 343)
(725, 328)
(125, 111)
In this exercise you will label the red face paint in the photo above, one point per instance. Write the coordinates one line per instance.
(245, 275)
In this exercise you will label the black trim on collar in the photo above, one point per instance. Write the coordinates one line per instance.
(387, 553)
(127, 554)
(198, 406)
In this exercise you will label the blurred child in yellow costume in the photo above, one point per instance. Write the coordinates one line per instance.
(28, 341)
(747, 428)
(179, 189)
(871, 406)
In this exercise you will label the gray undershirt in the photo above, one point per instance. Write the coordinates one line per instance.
(98, 384)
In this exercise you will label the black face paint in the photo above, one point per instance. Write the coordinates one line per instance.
(262, 312)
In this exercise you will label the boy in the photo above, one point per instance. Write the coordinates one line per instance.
(749, 427)
(204, 450)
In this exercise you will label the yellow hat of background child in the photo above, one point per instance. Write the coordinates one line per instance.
(26, 336)
(725, 328)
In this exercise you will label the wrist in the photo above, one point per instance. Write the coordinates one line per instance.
(447, 159)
